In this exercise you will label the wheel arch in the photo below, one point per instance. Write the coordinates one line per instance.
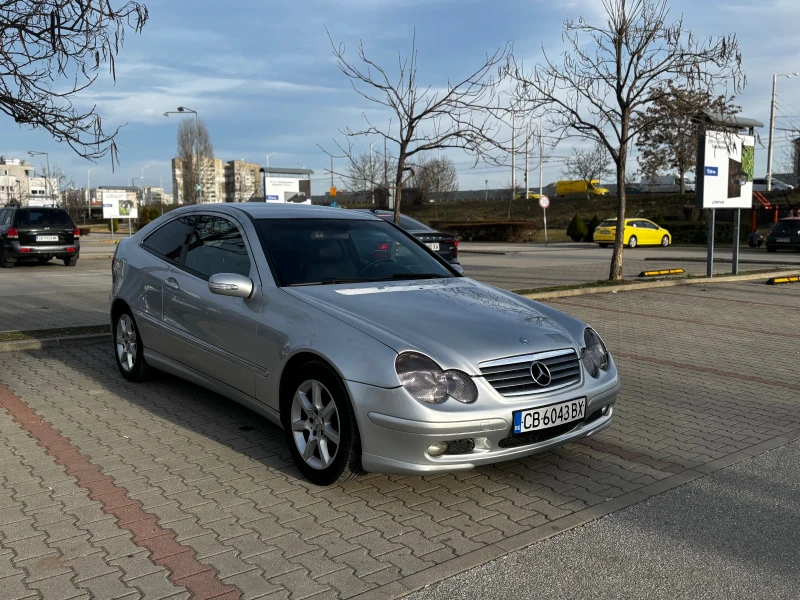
(118, 307)
(292, 368)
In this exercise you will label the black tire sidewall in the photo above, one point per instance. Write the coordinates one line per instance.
(349, 437)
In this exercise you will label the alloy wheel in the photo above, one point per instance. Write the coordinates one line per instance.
(126, 343)
(665, 241)
(315, 424)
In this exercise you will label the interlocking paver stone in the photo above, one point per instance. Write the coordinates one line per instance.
(234, 498)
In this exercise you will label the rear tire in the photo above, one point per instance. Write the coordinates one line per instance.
(6, 262)
(665, 241)
(306, 402)
(633, 242)
(128, 348)
(71, 261)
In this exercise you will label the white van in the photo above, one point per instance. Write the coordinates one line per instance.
(760, 185)
(665, 184)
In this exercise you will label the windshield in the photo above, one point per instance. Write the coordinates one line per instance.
(406, 223)
(320, 251)
(608, 224)
(789, 228)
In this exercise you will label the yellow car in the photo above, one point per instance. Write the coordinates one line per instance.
(638, 232)
(531, 196)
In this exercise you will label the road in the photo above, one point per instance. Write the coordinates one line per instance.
(732, 534)
(39, 297)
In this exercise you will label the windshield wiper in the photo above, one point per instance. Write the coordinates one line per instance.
(401, 276)
(330, 282)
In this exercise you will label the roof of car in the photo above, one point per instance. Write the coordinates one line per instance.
(264, 210)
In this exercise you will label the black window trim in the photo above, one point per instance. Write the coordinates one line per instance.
(147, 248)
(180, 265)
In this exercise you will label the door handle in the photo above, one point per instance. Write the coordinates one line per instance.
(172, 283)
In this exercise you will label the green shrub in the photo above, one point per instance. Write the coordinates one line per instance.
(591, 227)
(114, 226)
(577, 229)
(660, 220)
(491, 231)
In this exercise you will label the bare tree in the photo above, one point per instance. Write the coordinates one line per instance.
(362, 173)
(611, 72)
(588, 165)
(457, 115)
(434, 179)
(50, 51)
(194, 147)
(669, 143)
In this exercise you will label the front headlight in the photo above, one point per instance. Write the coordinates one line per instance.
(594, 356)
(425, 380)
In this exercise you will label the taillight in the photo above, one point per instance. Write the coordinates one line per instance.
(12, 234)
(456, 243)
(76, 232)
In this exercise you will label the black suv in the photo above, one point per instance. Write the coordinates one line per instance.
(37, 233)
(784, 234)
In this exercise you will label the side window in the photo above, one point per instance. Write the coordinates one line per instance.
(168, 241)
(217, 246)
(4, 216)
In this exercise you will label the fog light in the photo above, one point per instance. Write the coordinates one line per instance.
(437, 448)
(70, 249)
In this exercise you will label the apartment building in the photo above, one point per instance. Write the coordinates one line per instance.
(19, 184)
(212, 177)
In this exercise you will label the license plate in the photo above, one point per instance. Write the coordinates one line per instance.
(605, 232)
(46, 238)
(434, 247)
(783, 240)
(549, 416)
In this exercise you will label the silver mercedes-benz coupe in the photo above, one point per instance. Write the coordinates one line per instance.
(371, 351)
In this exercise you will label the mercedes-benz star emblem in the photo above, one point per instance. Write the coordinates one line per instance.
(523, 340)
(541, 374)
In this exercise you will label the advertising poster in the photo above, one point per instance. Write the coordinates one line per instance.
(117, 205)
(728, 165)
(280, 189)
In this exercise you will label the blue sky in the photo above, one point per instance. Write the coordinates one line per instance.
(262, 75)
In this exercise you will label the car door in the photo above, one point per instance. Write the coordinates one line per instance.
(652, 235)
(215, 335)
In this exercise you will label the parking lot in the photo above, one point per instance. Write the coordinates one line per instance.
(116, 490)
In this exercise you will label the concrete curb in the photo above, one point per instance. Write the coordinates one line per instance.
(647, 285)
(89, 256)
(749, 261)
(56, 342)
(435, 574)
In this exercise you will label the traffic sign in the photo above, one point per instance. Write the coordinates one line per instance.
(333, 191)
(544, 201)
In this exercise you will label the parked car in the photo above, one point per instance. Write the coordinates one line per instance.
(580, 187)
(37, 234)
(394, 364)
(638, 232)
(531, 196)
(760, 185)
(784, 235)
(444, 244)
(666, 184)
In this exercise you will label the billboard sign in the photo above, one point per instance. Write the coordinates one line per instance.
(282, 190)
(726, 162)
(117, 205)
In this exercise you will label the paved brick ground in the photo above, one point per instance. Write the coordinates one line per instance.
(702, 388)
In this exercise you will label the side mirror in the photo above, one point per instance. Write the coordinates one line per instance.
(231, 284)
(459, 269)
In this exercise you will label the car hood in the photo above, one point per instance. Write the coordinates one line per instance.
(458, 322)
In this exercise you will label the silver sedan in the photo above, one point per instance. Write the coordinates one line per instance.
(369, 350)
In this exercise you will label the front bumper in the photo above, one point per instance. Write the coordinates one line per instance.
(17, 250)
(397, 444)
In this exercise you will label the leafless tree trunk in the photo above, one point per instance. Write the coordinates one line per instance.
(61, 44)
(455, 115)
(194, 145)
(588, 165)
(611, 72)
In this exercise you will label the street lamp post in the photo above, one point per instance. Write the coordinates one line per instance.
(143, 168)
(88, 193)
(133, 185)
(372, 171)
(268, 155)
(47, 178)
(487, 188)
(182, 110)
(772, 125)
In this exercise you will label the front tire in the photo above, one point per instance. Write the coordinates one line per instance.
(633, 242)
(665, 241)
(128, 349)
(321, 429)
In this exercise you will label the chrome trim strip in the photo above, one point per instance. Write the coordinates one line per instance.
(525, 358)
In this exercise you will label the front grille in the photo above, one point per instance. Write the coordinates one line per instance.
(532, 437)
(512, 376)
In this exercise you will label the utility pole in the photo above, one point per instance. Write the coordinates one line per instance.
(487, 188)
(541, 188)
(88, 194)
(513, 167)
(372, 171)
(527, 154)
(772, 125)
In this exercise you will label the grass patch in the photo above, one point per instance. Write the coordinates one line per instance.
(35, 334)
